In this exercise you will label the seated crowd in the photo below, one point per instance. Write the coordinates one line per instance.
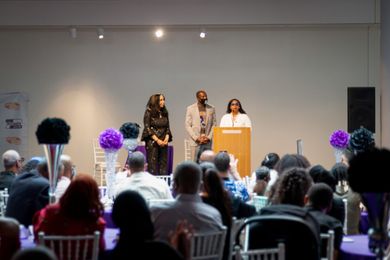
(157, 219)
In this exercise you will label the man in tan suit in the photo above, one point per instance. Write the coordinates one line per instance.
(199, 123)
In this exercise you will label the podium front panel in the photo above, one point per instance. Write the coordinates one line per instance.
(237, 141)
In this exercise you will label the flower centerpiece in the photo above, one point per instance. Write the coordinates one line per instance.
(130, 132)
(361, 140)
(111, 140)
(53, 134)
(339, 141)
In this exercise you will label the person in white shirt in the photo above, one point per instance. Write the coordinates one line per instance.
(65, 176)
(148, 185)
(235, 115)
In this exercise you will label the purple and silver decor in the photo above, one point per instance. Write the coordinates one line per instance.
(53, 153)
(339, 141)
(130, 132)
(111, 140)
(53, 134)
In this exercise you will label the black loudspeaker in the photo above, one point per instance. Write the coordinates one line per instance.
(361, 108)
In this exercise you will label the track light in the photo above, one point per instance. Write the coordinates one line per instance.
(159, 33)
(202, 34)
(100, 33)
(73, 32)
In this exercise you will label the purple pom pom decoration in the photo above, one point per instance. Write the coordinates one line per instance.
(339, 139)
(111, 139)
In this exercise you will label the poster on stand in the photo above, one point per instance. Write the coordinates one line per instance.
(13, 122)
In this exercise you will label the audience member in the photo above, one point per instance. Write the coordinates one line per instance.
(79, 212)
(131, 214)
(289, 199)
(292, 188)
(320, 198)
(149, 186)
(12, 165)
(29, 193)
(340, 171)
(222, 163)
(9, 237)
(239, 209)
(215, 195)
(207, 156)
(262, 179)
(321, 175)
(32, 164)
(65, 176)
(291, 160)
(35, 253)
(187, 206)
(269, 161)
(204, 166)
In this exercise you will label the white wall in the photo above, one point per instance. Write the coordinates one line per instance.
(186, 12)
(291, 80)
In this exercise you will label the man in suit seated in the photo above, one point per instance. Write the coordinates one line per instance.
(187, 206)
(12, 164)
(29, 193)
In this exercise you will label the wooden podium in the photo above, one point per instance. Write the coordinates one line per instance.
(237, 141)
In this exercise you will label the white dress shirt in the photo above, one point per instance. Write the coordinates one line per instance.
(62, 185)
(146, 184)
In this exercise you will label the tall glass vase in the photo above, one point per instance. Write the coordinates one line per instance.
(338, 154)
(53, 153)
(130, 144)
(111, 157)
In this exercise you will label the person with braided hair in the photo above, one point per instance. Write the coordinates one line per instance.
(289, 199)
(291, 187)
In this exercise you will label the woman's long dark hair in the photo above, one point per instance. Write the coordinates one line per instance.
(131, 214)
(81, 199)
(154, 106)
(229, 110)
(217, 195)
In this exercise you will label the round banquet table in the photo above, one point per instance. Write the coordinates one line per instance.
(355, 248)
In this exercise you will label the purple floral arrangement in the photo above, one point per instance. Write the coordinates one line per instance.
(339, 139)
(111, 139)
